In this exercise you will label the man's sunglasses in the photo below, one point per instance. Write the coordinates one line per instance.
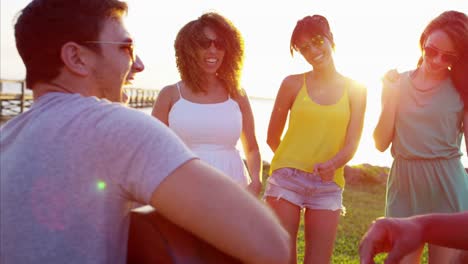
(205, 43)
(129, 46)
(446, 57)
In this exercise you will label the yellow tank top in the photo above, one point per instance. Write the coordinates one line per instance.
(315, 134)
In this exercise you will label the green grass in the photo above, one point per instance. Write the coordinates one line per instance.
(363, 203)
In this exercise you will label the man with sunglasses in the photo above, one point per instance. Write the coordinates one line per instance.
(73, 165)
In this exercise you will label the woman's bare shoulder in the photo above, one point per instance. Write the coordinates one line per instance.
(354, 87)
(293, 80)
(292, 84)
(169, 91)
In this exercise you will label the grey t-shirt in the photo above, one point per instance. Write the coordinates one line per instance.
(71, 169)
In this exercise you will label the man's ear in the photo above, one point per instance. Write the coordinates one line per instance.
(76, 58)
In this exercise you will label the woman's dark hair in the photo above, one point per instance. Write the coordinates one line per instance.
(187, 43)
(455, 25)
(310, 26)
(44, 26)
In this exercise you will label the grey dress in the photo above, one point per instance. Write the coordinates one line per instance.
(427, 175)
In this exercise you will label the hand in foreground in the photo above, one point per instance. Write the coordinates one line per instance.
(325, 170)
(399, 237)
(254, 188)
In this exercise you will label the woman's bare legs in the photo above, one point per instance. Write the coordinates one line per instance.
(320, 234)
(289, 216)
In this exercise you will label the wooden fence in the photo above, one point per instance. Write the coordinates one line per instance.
(16, 102)
(141, 98)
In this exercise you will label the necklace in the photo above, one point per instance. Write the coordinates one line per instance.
(418, 84)
(320, 85)
(424, 96)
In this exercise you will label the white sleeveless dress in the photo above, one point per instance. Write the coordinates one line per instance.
(211, 131)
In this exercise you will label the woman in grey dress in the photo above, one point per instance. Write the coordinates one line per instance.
(423, 117)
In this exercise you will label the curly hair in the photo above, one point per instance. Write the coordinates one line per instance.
(310, 26)
(455, 25)
(44, 26)
(186, 45)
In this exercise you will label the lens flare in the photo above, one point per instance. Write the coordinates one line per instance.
(101, 185)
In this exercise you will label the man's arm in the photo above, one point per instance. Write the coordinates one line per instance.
(447, 230)
(213, 207)
(401, 236)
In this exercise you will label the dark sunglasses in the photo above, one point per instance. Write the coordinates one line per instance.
(433, 52)
(129, 46)
(205, 43)
(317, 42)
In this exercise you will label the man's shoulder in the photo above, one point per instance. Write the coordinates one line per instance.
(105, 111)
(99, 115)
(122, 115)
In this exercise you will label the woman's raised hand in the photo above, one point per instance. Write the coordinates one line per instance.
(391, 86)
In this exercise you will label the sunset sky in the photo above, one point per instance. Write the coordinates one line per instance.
(371, 37)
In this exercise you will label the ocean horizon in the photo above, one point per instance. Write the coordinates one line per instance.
(262, 107)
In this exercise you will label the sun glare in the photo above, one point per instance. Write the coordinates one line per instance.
(371, 38)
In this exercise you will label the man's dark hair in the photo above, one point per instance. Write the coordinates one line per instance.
(44, 26)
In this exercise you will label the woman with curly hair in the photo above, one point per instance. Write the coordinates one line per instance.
(208, 109)
(424, 116)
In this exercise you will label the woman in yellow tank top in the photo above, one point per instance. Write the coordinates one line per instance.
(326, 115)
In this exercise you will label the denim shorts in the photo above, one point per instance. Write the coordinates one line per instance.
(305, 190)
